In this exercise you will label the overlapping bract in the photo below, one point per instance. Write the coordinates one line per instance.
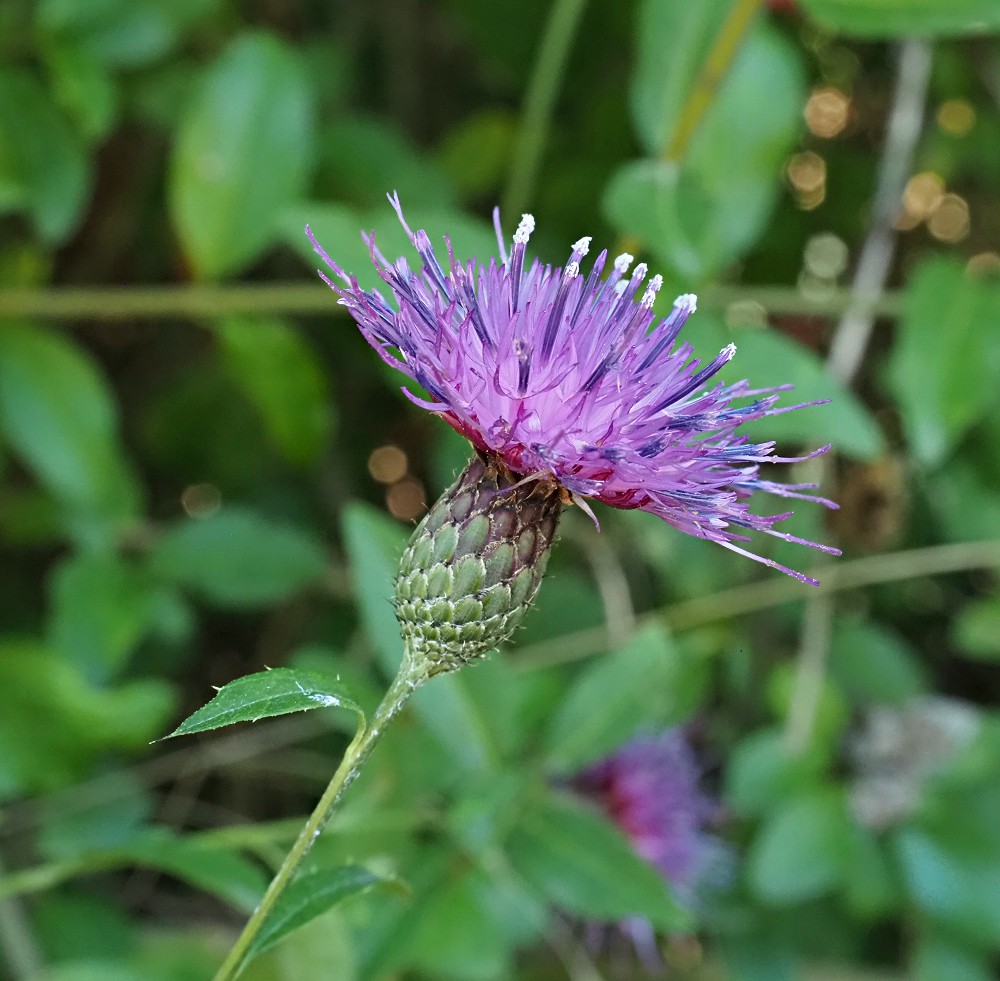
(574, 378)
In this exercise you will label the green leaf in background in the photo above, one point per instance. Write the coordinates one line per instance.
(43, 167)
(374, 543)
(281, 374)
(893, 19)
(763, 772)
(976, 630)
(583, 864)
(238, 558)
(698, 214)
(362, 158)
(57, 412)
(646, 684)
(661, 85)
(323, 948)
(872, 664)
(765, 357)
(800, 850)
(101, 605)
(476, 152)
(55, 724)
(951, 881)
(225, 874)
(242, 155)
(310, 896)
(338, 229)
(84, 88)
(121, 33)
(938, 957)
(267, 694)
(946, 358)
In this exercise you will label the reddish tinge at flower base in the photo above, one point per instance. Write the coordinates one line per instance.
(574, 379)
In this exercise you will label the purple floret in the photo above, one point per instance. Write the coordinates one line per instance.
(573, 378)
(649, 788)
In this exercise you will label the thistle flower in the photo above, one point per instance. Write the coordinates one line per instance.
(573, 380)
(649, 788)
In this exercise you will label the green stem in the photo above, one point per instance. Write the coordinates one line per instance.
(539, 101)
(357, 753)
(717, 63)
(123, 305)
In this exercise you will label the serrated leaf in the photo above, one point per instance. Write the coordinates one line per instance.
(584, 865)
(946, 357)
(647, 683)
(310, 896)
(238, 558)
(279, 372)
(242, 155)
(265, 694)
(892, 19)
(699, 213)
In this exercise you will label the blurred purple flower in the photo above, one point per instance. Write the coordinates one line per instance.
(649, 788)
(574, 379)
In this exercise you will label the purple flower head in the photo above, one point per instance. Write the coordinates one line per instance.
(573, 378)
(649, 788)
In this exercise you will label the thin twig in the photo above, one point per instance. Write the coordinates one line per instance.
(853, 333)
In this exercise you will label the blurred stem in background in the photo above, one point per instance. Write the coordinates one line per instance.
(539, 102)
(850, 341)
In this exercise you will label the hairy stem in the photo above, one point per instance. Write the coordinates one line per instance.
(357, 753)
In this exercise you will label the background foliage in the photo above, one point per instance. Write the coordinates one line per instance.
(201, 481)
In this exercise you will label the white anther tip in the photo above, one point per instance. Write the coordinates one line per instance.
(524, 229)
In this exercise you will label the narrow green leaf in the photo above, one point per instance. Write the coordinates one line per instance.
(645, 684)
(801, 850)
(279, 372)
(946, 358)
(242, 155)
(238, 558)
(280, 691)
(584, 865)
(892, 19)
(310, 896)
